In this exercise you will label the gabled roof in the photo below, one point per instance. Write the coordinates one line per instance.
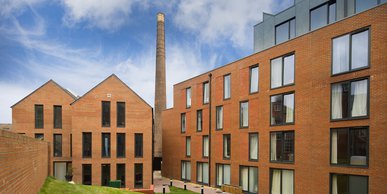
(112, 75)
(49, 81)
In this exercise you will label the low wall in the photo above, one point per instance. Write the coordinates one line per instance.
(23, 163)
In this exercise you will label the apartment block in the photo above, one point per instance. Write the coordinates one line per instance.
(305, 115)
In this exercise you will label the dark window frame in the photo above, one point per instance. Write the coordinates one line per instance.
(250, 74)
(83, 173)
(186, 146)
(283, 147)
(183, 115)
(39, 125)
(282, 109)
(142, 175)
(224, 86)
(110, 173)
(123, 147)
(251, 134)
(57, 118)
(216, 175)
(181, 171)
(203, 85)
(121, 124)
(60, 153)
(248, 177)
(119, 178)
(283, 72)
(201, 120)
(39, 134)
(216, 118)
(348, 175)
(136, 144)
(83, 144)
(240, 114)
(223, 144)
(106, 123)
(328, 3)
(102, 145)
(295, 30)
(281, 169)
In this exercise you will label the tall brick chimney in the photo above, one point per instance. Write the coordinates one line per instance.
(160, 91)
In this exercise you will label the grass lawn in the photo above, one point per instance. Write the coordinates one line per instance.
(175, 190)
(56, 186)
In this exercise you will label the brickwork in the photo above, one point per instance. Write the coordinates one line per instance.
(312, 111)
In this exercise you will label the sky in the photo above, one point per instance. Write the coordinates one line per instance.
(78, 43)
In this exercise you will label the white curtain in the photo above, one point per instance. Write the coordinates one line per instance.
(205, 173)
(245, 114)
(220, 117)
(188, 176)
(188, 93)
(276, 182)
(340, 54)
(205, 146)
(206, 93)
(106, 146)
(334, 184)
(188, 146)
(337, 106)
(220, 175)
(226, 154)
(273, 147)
(245, 177)
(254, 79)
(287, 182)
(227, 87)
(289, 105)
(334, 148)
(359, 92)
(183, 171)
(253, 180)
(276, 72)
(254, 146)
(200, 172)
(227, 174)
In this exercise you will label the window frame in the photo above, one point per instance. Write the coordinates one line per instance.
(203, 90)
(201, 120)
(60, 154)
(251, 134)
(216, 175)
(281, 169)
(123, 183)
(91, 144)
(186, 97)
(223, 146)
(282, 107)
(124, 115)
(378, 2)
(224, 86)
(37, 126)
(283, 72)
(142, 175)
(197, 170)
(186, 146)
(102, 145)
(240, 114)
(57, 125)
(217, 128)
(39, 134)
(348, 175)
(250, 74)
(135, 145)
(283, 147)
(102, 114)
(124, 146)
(208, 138)
(110, 173)
(91, 173)
(181, 171)
(328, 3)
(183, 115)
(286, 21)
(248, 178)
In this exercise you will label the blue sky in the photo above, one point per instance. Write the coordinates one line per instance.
(79, 43)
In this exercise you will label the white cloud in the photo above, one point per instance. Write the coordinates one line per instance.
(15, 7)
(10, 94)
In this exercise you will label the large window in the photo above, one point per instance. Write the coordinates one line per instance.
(39, 121)
(183, 122)
(219, 117)
(253, 146)
(86, 174)
(349, 99)
(57, 145)
(202, 172)
(350, 52)
(138, 141)
(344, 183)
(254, 79)
(199, 120)
(120, 175)
(282, 146)
(223, 174)
(188, 146)
(186, 170)
(206, 147)
(106, 145)
(281, 181)
(244, 114)
(188, 97)
(120, 114)
(349, 146)
(121, 145)
(206, 92)
(227, 146)
(282, 71)
(361, 5)
(282, 109)
(138, 176)
(227, 86)
(248, 178)
(105, 114)
(285, 31)
(39, 136)
(57, 117)
(105, 174)
(86, 145)
(322, 15)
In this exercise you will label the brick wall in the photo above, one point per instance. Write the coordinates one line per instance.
(23, 163)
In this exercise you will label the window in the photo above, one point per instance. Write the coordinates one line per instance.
(57, 145)
(281, 181)
(350, 52)
(254, 79)
(39, 122)
(282, 71)
(282, 146)
(285, 31)
(223, 174)
(349, 99)
(39, 136)
(282, 109)
(244, 115)
(219, 117)
(120, 175)
(322, 15)
(121, 145)
(71, 145)
(138, 183)
(227, 146)
(349, 146)
(183, 122)
(188, 97)
(206, 146)
(202, 173)
(188, 146)
(248, 178)
(105, 174)
(105, 114)
(57, 117)
(138, 145)
(361, 5)
(227, 86)
(120, 114)
(86, 174)
(344, 183)
(86, 145)
(206, 92)
(199, 120)
(106, 145)
(185, 170)
(253, 146)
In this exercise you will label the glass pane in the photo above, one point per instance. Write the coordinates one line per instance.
(219, 175)
(205, 146)
(358, 185)
(206, 93)
(253, 179)
(276, 110)
(106, 114)
(226, 146)
(289, 108)
(340, 54)
(120, 114)
(138, 145)
(359, 50)
(205, 173)
(292, 32)
(57, 145)
(188, 97)
(188, 146)
(254, 74)
(183, 170)
(278, 147)
(244, 114)
(287, 182)
(121, 144)
(219, 117)
(288, 152)
(199, 120)
(105, 144)
(188, 170)
(289, 70)
(282, 33)
(362, 5)
(120, 175)
(318, 17)
(359, 139)
(226, 92)
(342, 146)
(199, 172)
(57, 117)
(359, 98)
(332, 13)
(276, 72)
(337, 101)
(244, 178)
(254, 146)
(227, 174)
(182, 122)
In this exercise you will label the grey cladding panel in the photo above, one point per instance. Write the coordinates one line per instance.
(302, 18)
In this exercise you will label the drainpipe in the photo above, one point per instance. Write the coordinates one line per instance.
(209, 129)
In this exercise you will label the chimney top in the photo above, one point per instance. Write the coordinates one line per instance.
(160, 17)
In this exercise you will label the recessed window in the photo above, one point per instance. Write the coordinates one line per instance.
(349, 146)
(138, 145)
(223, 174)
(86, 145)
(350, 52)
(39, 136)
(219, 117)
(206, 146)
(244, 115)
(202, 173)
(285, 31)
(188, 97)
(185, 170)
(349, 100)
(86, 174)
(39, 122)
(227, 86)
(227, 146)
(105, 145)
(254, 79)
(253, 146)
(183, 122)
(105, 114)
(361, 5)
(249, 178)
(344, 183)
(322, 15)
(57, 117)
(138, 176)
(121, 145)
(57, 145)
(206, 92)
(188, 146)
(120, 114)
(199, 120)
(282, 146)
(281, 181)
(282, 71)
(105, 174)
(282, 109)
(120, 175)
